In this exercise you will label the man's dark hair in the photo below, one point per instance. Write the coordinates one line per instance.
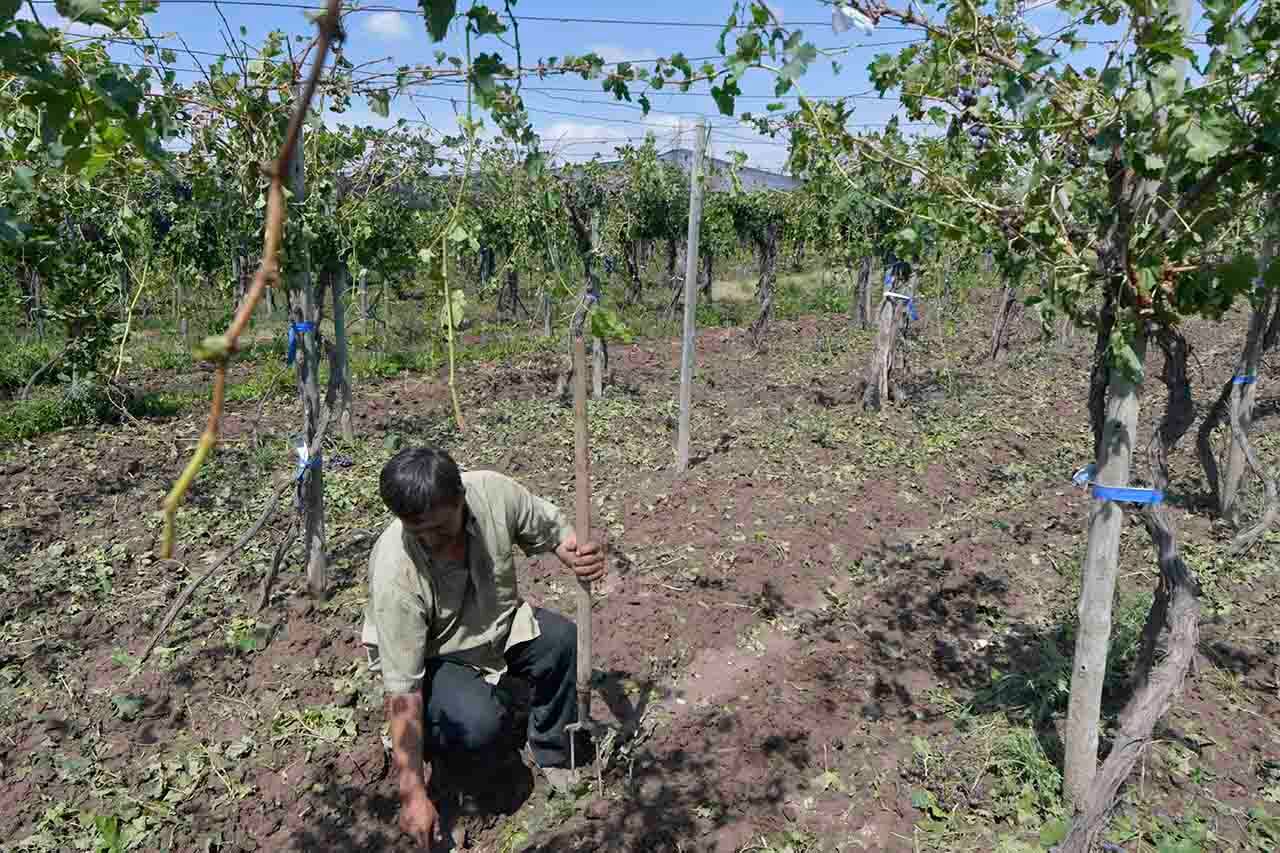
(419, 479)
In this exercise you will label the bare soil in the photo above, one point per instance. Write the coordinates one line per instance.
(784, 626)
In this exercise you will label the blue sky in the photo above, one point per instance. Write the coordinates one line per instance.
(572, 115)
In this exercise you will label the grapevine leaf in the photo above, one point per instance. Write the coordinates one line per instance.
(439, 14)
(606, 325)
(458, 304)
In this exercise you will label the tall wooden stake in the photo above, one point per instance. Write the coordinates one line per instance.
(306, 308)
(582, 522)
(598, 353)
(690, 296)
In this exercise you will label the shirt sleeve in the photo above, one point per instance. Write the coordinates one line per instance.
(537, 525)
(401, 618)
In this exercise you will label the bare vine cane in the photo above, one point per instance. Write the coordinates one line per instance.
(219, 349)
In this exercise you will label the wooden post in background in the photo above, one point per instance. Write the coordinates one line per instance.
(598, 354)
(690, 297)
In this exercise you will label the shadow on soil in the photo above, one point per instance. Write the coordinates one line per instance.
(733, 772)
(952, 622)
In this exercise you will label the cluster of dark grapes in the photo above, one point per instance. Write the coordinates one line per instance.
(82, 230)
(979, 135)
(156, 196)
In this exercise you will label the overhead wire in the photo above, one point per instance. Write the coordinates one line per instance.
(374, 8)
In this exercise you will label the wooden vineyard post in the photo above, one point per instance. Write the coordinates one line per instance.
(599, 353)
(582, 521)
(305, 316)
(690, 297)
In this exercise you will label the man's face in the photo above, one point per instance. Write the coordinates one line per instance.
(438, 526)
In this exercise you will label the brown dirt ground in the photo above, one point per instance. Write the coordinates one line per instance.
(797, 604)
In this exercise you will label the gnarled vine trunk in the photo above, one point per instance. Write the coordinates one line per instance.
(880, 382)
(858, 304)
(1005, 312)
(509, 303)
(306, 302)
(767, 247)
(1235, 406)
(341, 362)
(635, 285)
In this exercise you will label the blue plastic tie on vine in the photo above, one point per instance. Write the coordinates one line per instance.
(1084, 477)
(1131, 496)
(313, 463)
(1244, 380)
(912, 312)
(294, 330)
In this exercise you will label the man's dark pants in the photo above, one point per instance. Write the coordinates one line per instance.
(467, 717)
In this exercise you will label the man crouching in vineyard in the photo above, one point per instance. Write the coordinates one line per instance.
(445, 621)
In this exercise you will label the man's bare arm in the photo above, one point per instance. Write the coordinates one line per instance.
(418, 815)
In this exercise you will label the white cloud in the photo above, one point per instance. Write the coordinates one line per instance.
(614, 53)
(388, 25)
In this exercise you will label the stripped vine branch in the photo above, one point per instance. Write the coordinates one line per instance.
(220, 349)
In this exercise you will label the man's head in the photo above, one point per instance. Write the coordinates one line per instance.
(423, 488)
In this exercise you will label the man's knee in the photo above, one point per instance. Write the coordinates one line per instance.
(559, 636)
(463, 713)
(484, 731)
(472, 729)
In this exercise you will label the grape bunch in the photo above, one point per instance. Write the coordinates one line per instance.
(968, 97)
(979, 135)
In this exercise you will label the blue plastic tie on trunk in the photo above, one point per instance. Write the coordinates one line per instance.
(294, 330)
(313, 463)
(1244, 380)
(1130, 496)
(1084, 477)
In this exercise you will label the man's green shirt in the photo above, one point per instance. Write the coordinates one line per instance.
(419, 608)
